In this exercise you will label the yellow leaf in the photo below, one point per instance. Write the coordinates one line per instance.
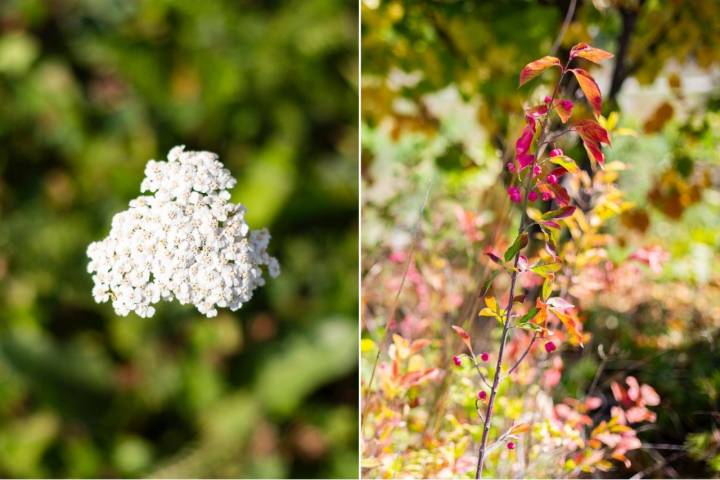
(367, 345)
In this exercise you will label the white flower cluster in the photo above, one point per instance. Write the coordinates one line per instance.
(186, 241)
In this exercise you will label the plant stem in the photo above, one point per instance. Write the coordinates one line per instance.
(513, 281)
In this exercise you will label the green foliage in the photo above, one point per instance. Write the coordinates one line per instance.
(90, 92)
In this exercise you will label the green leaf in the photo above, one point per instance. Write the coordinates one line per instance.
(520, 242)
(528, 316)
(545, 269)
(547, 287)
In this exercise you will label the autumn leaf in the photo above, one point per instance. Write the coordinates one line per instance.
(563, 109)
(562, 212)
(590, 89)
(463, 335)
(533, 69)
(566, 162)
(593, 137)
(595, 55)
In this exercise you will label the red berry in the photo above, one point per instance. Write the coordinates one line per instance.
(514, 194)
(532, 196)
(485, 356)
(511, 445)
(552, 179)
(557, 152)
(482, 395)
(550, 347)
(456, 360)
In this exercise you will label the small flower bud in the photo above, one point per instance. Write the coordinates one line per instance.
(511, 167)
(532, 196)
(482, 395)
(546, 196)
(547, 99)
(456, 360)
(557, 152)
(552, 179)
(550, 347)
(514, 194)
(485, 356)
(511, 445)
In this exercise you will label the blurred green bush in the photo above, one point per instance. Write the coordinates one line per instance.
(89, 91)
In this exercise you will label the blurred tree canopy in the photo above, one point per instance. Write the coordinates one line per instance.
(89, 91)
(440, 107)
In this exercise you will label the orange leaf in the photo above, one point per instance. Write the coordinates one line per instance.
(590, 89)
(595, 55)
(464, 335)
(520, 428)
(563, 109)
(533, 69)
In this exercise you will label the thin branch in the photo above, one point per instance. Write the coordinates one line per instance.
(513, 282)
(522, 357)
(563, 29)
(393, 311)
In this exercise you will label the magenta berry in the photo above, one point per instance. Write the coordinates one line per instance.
(536, 170)
(482, 395)
(456, 360)
(485, 356)
(514, 194)
(552, 179)
(566, 104)
(550, 347)
(546, 196)
(532, 196)
(511, 445)
(557, 152)
(547, 99)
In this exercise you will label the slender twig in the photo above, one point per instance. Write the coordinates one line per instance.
(393, 311)
(522, 357)
(564, 27)
(513, 282)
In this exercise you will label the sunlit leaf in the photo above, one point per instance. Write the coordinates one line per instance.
(595, 55)
(533, 69)
(590, 89)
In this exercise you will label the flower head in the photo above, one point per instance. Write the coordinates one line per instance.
(185, 241)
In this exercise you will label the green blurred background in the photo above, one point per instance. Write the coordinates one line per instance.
(89, 91)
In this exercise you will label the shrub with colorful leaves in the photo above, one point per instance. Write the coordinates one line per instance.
(465, 388)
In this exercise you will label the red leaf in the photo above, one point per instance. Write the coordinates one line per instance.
(464, 335)
(592, 130)
(593, 136)
(595, 55)
(563, 109)
(533, 69)
(590, 89)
